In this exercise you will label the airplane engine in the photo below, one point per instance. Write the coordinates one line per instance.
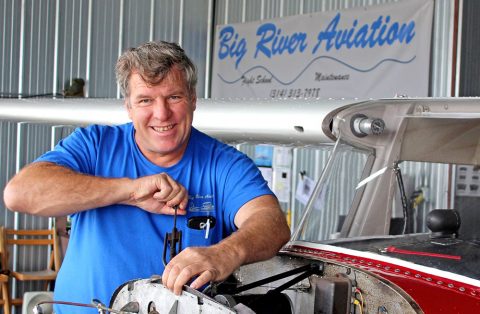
(288, 285)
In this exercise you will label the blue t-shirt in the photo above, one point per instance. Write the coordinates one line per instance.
(111, 245)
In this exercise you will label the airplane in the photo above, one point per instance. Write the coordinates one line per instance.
(375, 260)
(382, 254)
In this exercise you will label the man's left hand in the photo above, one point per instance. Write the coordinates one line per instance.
(214, 263)
(262, 230)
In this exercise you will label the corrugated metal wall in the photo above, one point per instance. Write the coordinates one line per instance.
(470, 68)
(8, 148)
(10, 52)
(46, 43)
(20, 144)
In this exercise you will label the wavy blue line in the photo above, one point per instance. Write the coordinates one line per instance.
(313, 60)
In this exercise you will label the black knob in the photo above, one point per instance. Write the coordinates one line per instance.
(444, 223)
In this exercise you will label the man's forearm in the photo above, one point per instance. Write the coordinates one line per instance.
(259, 238)
(47, 189)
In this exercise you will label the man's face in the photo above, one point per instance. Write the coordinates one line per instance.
(162, 115)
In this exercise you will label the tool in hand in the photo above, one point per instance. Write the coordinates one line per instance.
(173, 238)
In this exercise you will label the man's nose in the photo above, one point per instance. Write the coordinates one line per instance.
(161, 109)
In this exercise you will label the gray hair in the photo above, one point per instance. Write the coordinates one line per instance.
(153, 61)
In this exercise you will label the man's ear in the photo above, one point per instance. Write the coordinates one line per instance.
(194, 101)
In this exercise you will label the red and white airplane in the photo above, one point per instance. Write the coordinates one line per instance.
(382, 254)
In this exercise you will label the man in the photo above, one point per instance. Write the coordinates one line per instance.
(120, 184)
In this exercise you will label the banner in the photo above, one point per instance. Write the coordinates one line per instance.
(368, 52)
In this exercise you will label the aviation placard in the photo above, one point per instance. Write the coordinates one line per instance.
(375, 51)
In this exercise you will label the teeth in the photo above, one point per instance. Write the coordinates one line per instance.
(163, 128)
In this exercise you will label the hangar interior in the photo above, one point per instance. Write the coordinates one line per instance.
(47, 44)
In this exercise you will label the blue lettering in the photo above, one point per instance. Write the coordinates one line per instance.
(361, 37)
(373, 28)
(340, 40)
(272, 42)
(377, 33)
(267, 31)
(348, 38)
(381, 39)
(407, 32)
(392, 33)
(278, 43)
(231, 48)
(328, 34)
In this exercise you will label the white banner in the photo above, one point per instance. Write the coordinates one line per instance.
(375, 51)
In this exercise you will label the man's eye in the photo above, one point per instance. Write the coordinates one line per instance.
(144, 102)
(175, 97)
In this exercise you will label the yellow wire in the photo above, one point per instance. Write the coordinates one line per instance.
(361, 296)
(356, 302)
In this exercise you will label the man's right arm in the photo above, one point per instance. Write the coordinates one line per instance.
(47, 189)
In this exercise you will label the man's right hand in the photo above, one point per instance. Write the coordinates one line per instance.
(47, 189)
(158, 194)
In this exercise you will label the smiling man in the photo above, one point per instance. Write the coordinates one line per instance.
(120, 183)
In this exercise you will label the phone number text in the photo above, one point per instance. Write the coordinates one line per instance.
(295, 92)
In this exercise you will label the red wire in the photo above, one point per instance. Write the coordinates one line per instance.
(392, 249)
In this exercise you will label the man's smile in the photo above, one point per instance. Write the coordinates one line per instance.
(163, 128)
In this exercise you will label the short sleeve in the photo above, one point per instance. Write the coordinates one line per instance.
(78, 151)
(243, 182)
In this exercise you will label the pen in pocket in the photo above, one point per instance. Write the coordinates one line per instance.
(202, 223)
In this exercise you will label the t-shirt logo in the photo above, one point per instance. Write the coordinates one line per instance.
(201, 203)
